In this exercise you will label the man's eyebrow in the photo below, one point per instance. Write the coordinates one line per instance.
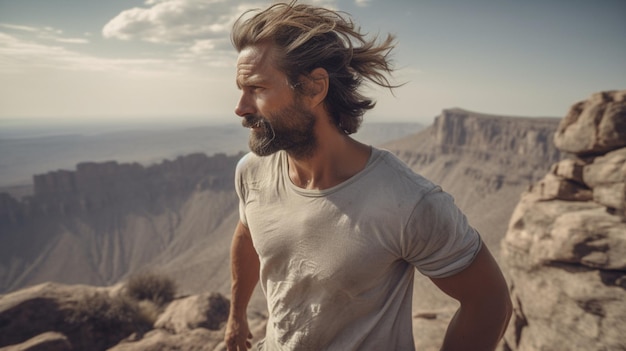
(250, 81)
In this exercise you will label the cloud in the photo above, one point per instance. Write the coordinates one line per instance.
(18, 55)
(209, 52)
(176, 21)
(44, 33)
(362, 3)
(201, 28)
(18, 27)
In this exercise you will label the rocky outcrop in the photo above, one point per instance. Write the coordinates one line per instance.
(52, 317)
(594, 126)
(565, 249)
(205, 310)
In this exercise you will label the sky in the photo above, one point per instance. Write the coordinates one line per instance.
(172, 60)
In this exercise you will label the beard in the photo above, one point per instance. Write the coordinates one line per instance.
(291, 129)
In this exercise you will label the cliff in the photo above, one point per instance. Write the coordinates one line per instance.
(461, 131)
(484, 161)
(94, 186)
(565, 248)
(101, 221)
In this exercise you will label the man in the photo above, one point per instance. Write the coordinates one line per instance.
(331, 227)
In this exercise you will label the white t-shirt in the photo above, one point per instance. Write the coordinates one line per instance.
(337, 264)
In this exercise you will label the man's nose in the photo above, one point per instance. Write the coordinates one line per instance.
(244, 106)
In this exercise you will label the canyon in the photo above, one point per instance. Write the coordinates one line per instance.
(104, 221)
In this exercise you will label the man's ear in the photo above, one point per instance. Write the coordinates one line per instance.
(317, 86)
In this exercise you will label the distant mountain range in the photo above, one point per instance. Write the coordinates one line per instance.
(23, 155)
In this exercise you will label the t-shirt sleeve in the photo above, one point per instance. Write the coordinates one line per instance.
(438, 239)
(240, 189)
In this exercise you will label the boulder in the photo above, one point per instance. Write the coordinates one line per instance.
(209, 310)
(591, 237)
(28, 313)
(91, 318)
(607, 176)
(594, 126)
(570, 169)
(565, 261)
(553, 187)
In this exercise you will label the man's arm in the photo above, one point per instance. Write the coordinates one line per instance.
(245, 275)
(485, 309)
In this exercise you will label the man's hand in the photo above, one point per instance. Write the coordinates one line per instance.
(238, 336)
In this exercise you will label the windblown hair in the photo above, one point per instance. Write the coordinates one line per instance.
(309, 37)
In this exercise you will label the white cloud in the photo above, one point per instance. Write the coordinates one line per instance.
(362, 3)
(18, 55)
(19, 27)
(44, 33)
(200, 27)
(174, 21)
(209, 52)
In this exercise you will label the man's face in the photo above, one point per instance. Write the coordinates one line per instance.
(276, 116)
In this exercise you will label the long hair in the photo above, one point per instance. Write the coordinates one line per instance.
(308, 37)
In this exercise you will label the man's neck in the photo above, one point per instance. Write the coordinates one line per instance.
(337, 158)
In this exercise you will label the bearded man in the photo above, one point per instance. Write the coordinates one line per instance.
(333, 229)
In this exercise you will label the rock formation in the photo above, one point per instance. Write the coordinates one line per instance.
(95, 224)
(565, 249)
(57, 317)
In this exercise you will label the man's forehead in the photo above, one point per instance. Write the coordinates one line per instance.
(253, 58)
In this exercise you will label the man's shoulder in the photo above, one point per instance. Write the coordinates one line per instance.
(251, 161)
(252, 166)
(396, 172)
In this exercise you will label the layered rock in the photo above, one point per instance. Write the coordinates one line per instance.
(102, 221)
(461, 131)
(565, 249)
(94, 186)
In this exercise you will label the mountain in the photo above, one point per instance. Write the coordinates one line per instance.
(105, 220)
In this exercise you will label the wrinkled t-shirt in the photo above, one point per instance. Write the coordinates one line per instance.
(337, 264)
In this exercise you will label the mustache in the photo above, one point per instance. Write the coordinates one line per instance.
(253, 121)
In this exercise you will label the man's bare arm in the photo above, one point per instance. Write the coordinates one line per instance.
(485, 309)
(245, 275)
